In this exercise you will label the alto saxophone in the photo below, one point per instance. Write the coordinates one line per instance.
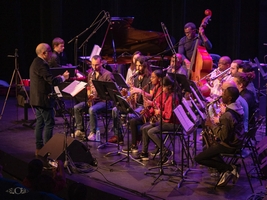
(91, 93)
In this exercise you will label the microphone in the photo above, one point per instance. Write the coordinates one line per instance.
(210, 103)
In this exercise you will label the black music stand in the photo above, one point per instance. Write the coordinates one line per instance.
(124, 107)
(113, 93)
(75, 91)
(101, 88)
(182, 80)
(120, 80)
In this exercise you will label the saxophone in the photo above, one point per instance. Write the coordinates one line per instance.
(207, 133)
(145, 113)
(155, 118)
(91, 92)
(132, 99)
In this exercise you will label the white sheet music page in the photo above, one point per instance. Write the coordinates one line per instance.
(183, 118)
(75, 87)
(96, 51)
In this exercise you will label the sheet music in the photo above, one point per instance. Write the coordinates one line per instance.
(189, 109)
(202, 115)
(75, 87)
(197, 97)
(96, 51)
(183, 118)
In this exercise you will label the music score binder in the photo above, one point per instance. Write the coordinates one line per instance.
(186, 123)
(74, 88)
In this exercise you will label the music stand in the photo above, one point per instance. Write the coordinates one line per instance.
(113, 93)
(120, 80)
(126, 108)
(101, 88)
(181, 79)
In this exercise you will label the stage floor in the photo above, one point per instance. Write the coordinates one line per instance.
(123, 180)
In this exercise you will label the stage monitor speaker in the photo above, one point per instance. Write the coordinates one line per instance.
(77, 151)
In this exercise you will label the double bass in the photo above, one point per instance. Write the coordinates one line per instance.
(201, 61)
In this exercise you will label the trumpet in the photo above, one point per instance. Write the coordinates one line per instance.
(210, 79)
(225, 72)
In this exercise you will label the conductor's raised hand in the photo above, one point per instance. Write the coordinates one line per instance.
(66, 75)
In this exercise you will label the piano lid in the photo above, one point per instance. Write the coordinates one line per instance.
(129, 39)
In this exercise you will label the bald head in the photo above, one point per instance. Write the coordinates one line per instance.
(227, 84)
(224, 63)
(43, 51)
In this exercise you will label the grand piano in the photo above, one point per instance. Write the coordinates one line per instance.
(128, 39)
(122, 40)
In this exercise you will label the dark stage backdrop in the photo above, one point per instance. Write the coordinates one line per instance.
(238, 28)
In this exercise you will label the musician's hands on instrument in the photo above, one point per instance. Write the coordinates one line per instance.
(66, 75)
(187, 63)
(208, 122)
(156, 111)
(216, 119)
(134, 90)
(222, 108)
(201, 31)
(147, 103)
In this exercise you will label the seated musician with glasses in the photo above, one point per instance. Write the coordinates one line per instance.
(138, 81)
(95, 104)
(176, 65)
(229, 133)
(170, 99)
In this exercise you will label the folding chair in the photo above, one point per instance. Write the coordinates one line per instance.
(240, 154)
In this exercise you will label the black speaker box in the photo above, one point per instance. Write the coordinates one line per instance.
(77, 151)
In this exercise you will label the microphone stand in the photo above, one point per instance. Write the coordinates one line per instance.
(77, 36)
(17, 77)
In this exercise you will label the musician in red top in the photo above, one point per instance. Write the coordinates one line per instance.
(147, 111)
(170, 100)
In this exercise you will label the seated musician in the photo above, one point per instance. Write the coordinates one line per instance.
(147, 112)
(240, 100)
(137, 83)
(132, 69)
(176, 65)
(229, 131)
(215, 88)
(246, 67)
(187, 43)
(101, 74)
(242, 80)
(58, 57)
(151, 130)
